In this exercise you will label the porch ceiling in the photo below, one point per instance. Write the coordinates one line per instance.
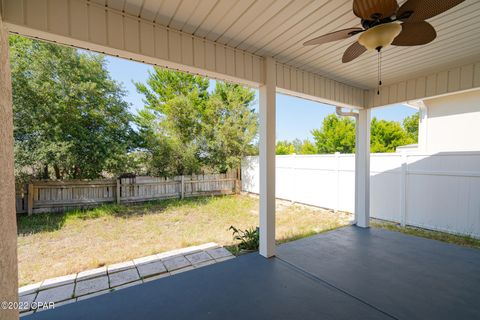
(279, 27)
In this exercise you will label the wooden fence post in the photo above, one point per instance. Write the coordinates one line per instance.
(182, 187)
(237, 182)
(118, 191)
(30, 199)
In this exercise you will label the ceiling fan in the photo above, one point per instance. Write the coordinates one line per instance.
(386, 23)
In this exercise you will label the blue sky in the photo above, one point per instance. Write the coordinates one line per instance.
(295, 117)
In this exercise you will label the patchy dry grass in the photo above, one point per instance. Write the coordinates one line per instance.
(435, 235)
(51, 245)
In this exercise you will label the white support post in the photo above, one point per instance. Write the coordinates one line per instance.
(267, 160)
(362, 169)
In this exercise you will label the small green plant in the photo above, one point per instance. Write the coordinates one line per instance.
(249, 238)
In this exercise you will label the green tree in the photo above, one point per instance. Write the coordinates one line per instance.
(386, 136)
(185, 129)
(284, 148)
(299, 147)
(70, 119)
(410, 124)
(338, 135)
(307, 148)
(335, 135)
(229, 126)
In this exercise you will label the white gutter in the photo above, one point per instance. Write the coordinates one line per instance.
(346, 114)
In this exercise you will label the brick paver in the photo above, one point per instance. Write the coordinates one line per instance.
(151, 269)
(56, 294)
(91, 285)
(122, 277)
(94, 282)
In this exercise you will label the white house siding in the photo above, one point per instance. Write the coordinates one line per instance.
(453, 123)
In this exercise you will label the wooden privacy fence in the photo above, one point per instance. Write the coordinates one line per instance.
(57, 196)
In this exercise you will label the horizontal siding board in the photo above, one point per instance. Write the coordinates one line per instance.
(435, 84)
(476, 75)
(36, 13)
(58, 16)
(97, 23)
(315, 87)
(92, 25)
(279, 74)
(466, 77)
(300, 81)
(311, 83)
(131, 29)
(454, 80)
(239, 64)
(199, 53)
(442, 82)
(92, 22)
(78, 17)
(431, 85)
(161, 42)
(210, 55)
(14, 11)
(230, 60)
(420, 87)
(248, 59)
(293, 80)
(286, 78)
(174, 46)
(187, 50)
(256, 72)
(220, 58)
(115, 30)
(147, 39)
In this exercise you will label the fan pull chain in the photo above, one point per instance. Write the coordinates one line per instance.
(379, 70)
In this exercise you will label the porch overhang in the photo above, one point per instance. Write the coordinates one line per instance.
(165, 33)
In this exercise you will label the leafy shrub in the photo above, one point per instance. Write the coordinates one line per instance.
(249, 238)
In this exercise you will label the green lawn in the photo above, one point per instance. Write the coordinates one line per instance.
(52, 245)
(435, 235)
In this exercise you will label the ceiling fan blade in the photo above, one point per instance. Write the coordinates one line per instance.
(415, 33)
(374, 9)
(424, 9)
(334, 36)
(353, 52)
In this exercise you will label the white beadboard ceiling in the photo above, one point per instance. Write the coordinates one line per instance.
(279, 27)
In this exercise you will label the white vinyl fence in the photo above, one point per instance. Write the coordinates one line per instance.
(436, 191)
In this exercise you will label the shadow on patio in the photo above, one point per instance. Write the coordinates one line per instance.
(349, 273)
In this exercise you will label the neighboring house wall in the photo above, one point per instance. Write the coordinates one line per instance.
(435, 191)
(452, 123)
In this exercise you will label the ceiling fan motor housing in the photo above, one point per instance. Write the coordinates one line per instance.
(380, 36)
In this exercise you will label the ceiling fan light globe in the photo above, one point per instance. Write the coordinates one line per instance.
(380, 36)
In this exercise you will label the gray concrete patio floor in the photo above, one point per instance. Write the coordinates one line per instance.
(349, 273)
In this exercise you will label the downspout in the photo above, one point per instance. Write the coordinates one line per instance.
(342, 113)
(423, 123)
